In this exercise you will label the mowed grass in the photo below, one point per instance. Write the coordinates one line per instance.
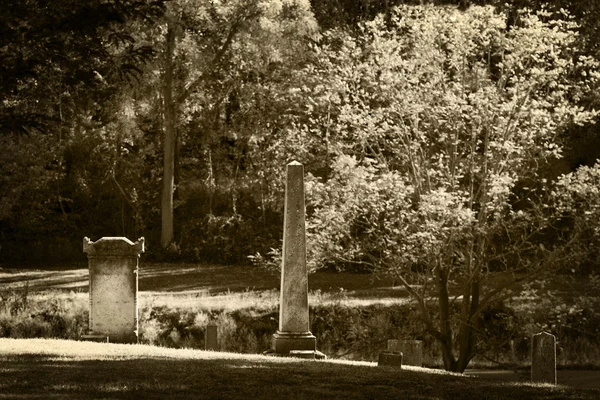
(209, 278)
(58, 369)
(50, 371)
(212, 286)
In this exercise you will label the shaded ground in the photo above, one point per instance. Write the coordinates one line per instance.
(573, 378)
(46, 369)
(201, 277)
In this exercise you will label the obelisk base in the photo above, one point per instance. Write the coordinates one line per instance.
(284, 342)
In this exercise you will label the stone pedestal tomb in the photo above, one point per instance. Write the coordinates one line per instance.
(294, 331)
(113, 264)
(543, 358)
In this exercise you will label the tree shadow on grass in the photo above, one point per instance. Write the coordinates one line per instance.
(43, 377)
(212, 278)
(76, 279)
(201, 277)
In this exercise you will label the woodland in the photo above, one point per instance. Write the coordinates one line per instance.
(443, 141)
(174, 120)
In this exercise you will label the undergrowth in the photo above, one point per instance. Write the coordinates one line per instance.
(43, 315)
(246, 322)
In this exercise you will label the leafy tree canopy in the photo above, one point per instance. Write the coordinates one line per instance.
(62, 55)
(433, 118)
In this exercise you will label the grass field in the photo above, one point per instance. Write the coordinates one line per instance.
(213, 279)
(58, 369)
(218, 286)
(200, 292)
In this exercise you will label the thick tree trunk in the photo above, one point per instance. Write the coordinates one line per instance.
(166, 237)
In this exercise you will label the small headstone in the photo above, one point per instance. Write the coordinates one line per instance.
(113, 264)
(390, 359)
(294, 331)
(412, 351)
(543, 358)
(211, 338)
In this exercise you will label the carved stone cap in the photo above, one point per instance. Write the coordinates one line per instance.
(113, 246)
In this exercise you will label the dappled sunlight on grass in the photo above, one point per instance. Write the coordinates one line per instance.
(205, 301)
(65, 369)
(255, 299)
(57, 350)
(342, 305)
(213, 279)
(62, 350)
(74, 279)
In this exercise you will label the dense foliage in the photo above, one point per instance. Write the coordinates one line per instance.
(436, 121)
(85, 108)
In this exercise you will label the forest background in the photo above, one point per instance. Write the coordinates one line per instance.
(91, 91)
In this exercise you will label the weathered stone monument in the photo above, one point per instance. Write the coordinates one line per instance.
(113, 264)
(294, 331)
(210, 339)
(390, 359)
(412, 351)
(543, 358)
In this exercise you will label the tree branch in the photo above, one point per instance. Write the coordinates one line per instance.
(233, 31)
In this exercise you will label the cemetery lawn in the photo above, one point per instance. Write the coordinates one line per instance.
(208, 278)
(177, 300)
(58, 369)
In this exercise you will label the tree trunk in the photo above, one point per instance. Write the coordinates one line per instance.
(211, 183)
(445, 327)
(469, 322)
(166, 237)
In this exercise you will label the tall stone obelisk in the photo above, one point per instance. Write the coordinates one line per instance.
(294, 330)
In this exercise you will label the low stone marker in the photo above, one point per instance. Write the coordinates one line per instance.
(543, 358)
(308, 354)
(390, 359)
(113, 264)
(96, 338)
(294, 331)
(210, 342)
(412, 351)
